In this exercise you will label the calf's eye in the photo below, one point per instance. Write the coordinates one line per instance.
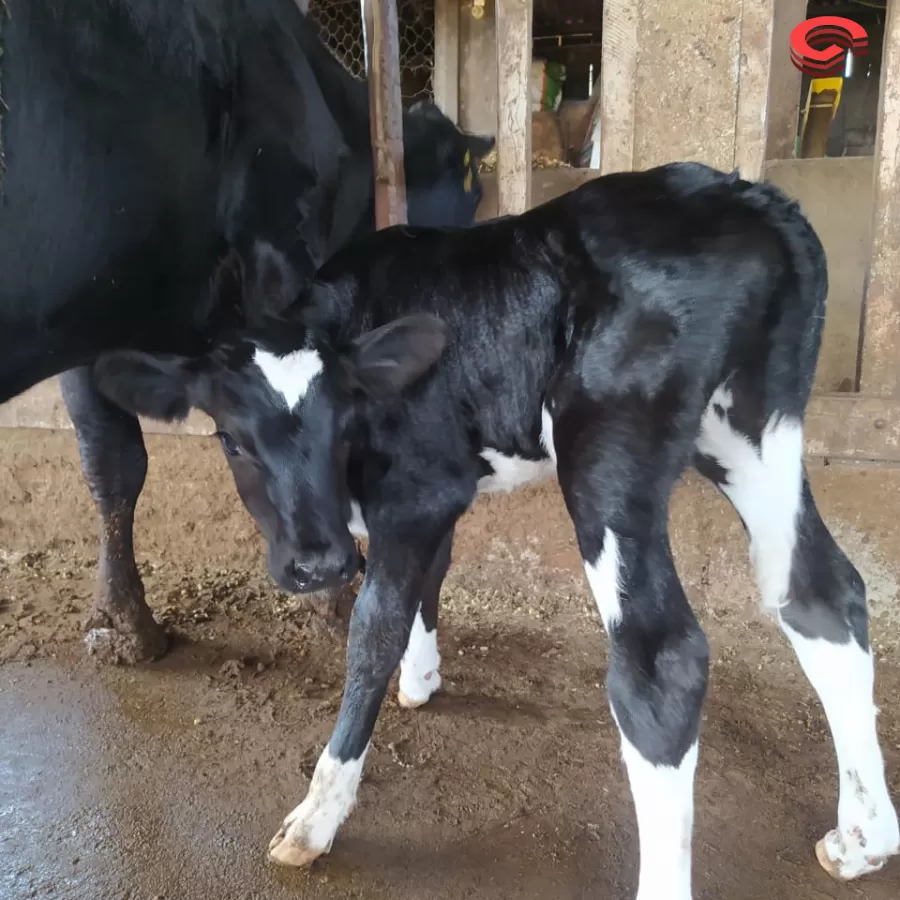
(229, 444)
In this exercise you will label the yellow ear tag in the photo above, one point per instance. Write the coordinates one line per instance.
(467, 182)
(466, 158)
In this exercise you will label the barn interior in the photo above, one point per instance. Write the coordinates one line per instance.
(165, 781)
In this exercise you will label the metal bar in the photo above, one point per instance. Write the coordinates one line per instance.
(385, 110)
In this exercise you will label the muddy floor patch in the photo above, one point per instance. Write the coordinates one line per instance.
(168, 780)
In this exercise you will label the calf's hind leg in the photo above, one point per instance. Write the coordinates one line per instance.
(820, 601)
(420, 676)
(659, 656)
(121, 628)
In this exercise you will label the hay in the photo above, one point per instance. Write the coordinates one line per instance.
(538, 161)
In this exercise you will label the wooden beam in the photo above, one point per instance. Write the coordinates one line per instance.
(385, 110)
(446, 57)
(784, 80)
(513, 106)
(42, 407)
(840, 427)
(880, 327)
(752, 119)
(853, 428)
(618, 77)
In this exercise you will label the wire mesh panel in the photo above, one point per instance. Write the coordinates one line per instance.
(340, 22)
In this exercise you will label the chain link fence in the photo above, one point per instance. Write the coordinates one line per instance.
(340, 22)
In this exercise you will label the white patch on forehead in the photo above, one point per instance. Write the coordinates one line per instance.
(289, 375)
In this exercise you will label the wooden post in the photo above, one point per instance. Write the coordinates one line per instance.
(446, 57)
(618, 77)
(784, 80)
(880, 329)
(756, 52)
(513, 106)
(385, 110)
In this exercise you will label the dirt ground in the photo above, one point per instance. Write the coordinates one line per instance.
(166, 782)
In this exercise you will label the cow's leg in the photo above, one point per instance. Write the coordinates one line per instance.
(616, 481)
(380, 626)
(114, 461)
(420, 676)
(820, 602)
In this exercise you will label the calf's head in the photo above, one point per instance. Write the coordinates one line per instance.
(441, 165)
(285, 412)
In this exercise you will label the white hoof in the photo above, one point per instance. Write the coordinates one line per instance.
(419, 675)
(416, 692)
(845, 856)
(299, 840)
(308, 832)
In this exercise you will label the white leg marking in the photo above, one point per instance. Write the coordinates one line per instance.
(664, 807)
(765, 487)
(867, 832)
(547, 433)
(289, 375)
(603, 577)
(419, 676)
(309, 830)
(511, 472)
(357, 524)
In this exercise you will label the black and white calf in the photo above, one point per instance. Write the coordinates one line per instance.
(615, 335)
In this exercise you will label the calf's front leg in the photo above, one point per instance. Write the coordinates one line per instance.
(380, 628)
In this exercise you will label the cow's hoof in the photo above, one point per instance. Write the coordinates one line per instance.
(844, 857)
(416, 692)
(283, 852)
(290, 847)
(309, 829)
(411, 702)
(126, 647)
(408, 702)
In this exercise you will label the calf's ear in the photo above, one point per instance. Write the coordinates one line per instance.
(144, 384)
(388, 359)
(480, 145)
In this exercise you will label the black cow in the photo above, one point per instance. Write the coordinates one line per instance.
(613, 336)
(143, 141)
